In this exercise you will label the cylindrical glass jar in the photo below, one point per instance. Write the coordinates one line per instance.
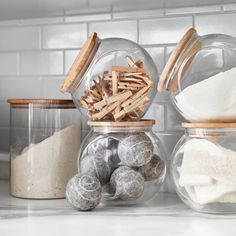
(127, 158)
(123, 63)
(45, 140)
(200, 77)
(204, 167)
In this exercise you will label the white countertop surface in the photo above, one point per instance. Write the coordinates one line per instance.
(164, 216)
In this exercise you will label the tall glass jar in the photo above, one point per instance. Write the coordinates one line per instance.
(45, 140)
(204, 167)
(126, 157)
(200, 77)
(111, 59)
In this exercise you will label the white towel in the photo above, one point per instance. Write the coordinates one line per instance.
(212, 99)
(208, 172)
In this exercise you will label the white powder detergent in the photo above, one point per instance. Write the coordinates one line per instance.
(42, 170)
(213, 99)
(208, 172)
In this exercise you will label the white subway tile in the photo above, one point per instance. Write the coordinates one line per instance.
(122, 29)
(163, 30)
(41, 63)
(19, 38)
(64, 36)
(8, 63)
(20, 87)
(173, 118)
(4, 139)
(88, 10)
(41, 21)
(169, 141)
(156, 112)
(157, 54)
(88, 17)
(5, 113)
(229, 7)
(70, 56)
(138, 14)
(220, 23)
(192, 10)
(51, 88)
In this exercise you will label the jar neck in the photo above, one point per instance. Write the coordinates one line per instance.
(206, 132)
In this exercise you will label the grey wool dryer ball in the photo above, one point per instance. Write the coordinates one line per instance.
(97, 166)
(135, 150)
(153, 168)
(127, 184)
(83, 192)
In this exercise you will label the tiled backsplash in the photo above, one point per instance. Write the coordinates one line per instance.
(35, 54)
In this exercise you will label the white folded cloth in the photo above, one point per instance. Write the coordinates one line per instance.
(208, 172)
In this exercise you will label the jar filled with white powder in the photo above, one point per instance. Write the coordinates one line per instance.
(200, 77)
(204, 167)
(45, 139)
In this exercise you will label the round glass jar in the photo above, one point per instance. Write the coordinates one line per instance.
(126, 157)
(44, 143)
(200, 77)
(204, 167)
(109, 67)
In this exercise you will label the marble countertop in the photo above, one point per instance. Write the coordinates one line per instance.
(166, 215)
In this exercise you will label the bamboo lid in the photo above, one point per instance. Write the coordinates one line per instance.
(140, 123)
(81, 63)
(174, 57)
(208, 125)
(39, 101)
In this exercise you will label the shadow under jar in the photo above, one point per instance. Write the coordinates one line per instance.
(127, 158)
(110, 73)
(204, 167)
(200, 77)
(45, 139)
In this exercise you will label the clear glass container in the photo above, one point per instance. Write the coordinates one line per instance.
(200, 77)
(204, 167)
(97, 58)
(44, 143)
(127, 158)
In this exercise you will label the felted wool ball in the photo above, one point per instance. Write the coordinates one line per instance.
(127, 184)
(153, 168)
(135, 150)
(83, 192)
(99, 166)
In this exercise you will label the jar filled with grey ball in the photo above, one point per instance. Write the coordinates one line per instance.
(127, 159)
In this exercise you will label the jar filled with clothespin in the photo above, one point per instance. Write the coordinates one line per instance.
(112, 79)
(204, 167)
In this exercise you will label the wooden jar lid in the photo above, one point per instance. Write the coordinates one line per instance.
(81, 63)
(122, 124)
(175, 55)
(39, 101)
(208, 125)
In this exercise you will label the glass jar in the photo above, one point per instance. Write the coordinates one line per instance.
(107, 67)
(126, 157)
(200, 77)
(44, 143)
(204, 167)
